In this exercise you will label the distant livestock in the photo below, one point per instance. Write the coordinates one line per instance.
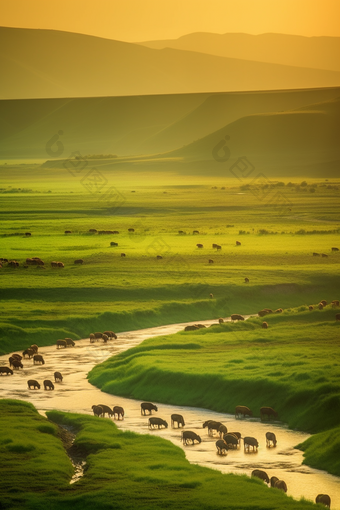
(119, 411)
(6, 370)
(28, 352)
(270, 439)
(69, 342)
(220, 321)
(58, 377)
(279, 310)
(122, 255)
(335, 248)
(93, 230)
(324, 255)
(106, 409)
(335, 303)
(181, 232)
(191, 327)
(214, 245)
(28, 234)
(113, 243)
(316, 254)
(32, 383)
(61, 343)
(15, 363)
(177, 418)
(310, 308)
(189, 437)
(37, 358)
(231, 440)
(34, 347)
(131, 229)
(79, 261)
(211, 295)
(324, 499)
(268, 412)
(273, 481)
(195, 232)
(98, 335)
(157, 423)
(199, 245)
(212, 426)
(258, 473)
(105, 338)
(48, 384)
(281, 484)
(68, 232)
(159, 257)
(147, 406)
(222, 447)
(60, 264)
(320, 306)
(237, 317)
(246, 280)
(97, 410)
(54, 263)
(324, 302)
(92, 338)
(238, 243)
(218, 247)
(250, 442)
(222, 429)
(242, 411)
(265, 325)
(211, 261)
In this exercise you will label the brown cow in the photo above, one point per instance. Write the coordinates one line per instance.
(211, 261)
(212, 425)
(69, 341)
(131, 229)
(34, 383)
(79, 261)
(54, 263)
(199, 245)
(250, 442)
(262, 313)
(335, 303)
(320, 306)
(316, 254)
(281, 484)
(310, 308)
(34, 347)
(6, 370)
(258, 473)
(97, 410)
(37, 358)
(28, 352)
(105, 338)
(58, 377)
(269, 412)
(221, 321)
(222, 447)
(335, 249)
(237, 317)
(61, 343)
(246, 280)
(122, 255)
(265, 325)
(60, 264)
(324, 302)
(238, 243)
(242, 411)
(15, 363)
(270, 439)
(324, 255)
(324, 499)
(192, 327)
(48, 384)
(195, 232)
(92, 338)
(106, 409)
(159, 257)
(68, 232)
(231, 440)
(279, 310)
(119, 411)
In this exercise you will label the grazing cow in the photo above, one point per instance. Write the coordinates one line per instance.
(17, 356)
(214, 245)
(93, 230)
(34, 347)
(250, 442)
(323, 302)
(222, 447)
(199, 245)
(262, 313)
(106, 409)
(337, 317)
(220, 321)
(58, 377)
(105, 338)
(54, 263)
(69, 341)
(92, 338)
(97, 410)
(115, 232)
(113, 244)
(236, 434)
(269, 412)
(28, 352)
(335, 303)
(119, 411)
(6, 370)
(212, 425)
(157, 423)
(279, 310)
(237, 317)
(147, 406)
(79, 261)
(273, 481)
(15, 363)
(222, 430)
(61, 343)
(242, 411)
(159, 257)
(28, 234)
(231, 440)
(37, 358)
(98, 335)
(61, 264)
(191, 437)
(122, 255)
(177, 418)
(270, 439)
(200, 326)
(265, 325)
(324, 255)
(320, 306)
(281, 484)
(195, 232)
(238, 243)
(246, 280)
(335, 248)
(181, 232)
(258, 473)
(68, 232)
(191, 327)
(131, 229)
(218, 247)
(211, 261)
(310, 308)
(316, 254)
(324, 499)
(48, 384)
(33, 383)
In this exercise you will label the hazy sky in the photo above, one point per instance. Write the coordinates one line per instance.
(141, 20)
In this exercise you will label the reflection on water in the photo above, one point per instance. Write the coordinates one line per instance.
(75, 394)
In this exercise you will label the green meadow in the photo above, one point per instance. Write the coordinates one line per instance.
(112, 292)
(123, 470)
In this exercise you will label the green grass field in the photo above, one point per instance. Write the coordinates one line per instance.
(124, 470)
(111, 292)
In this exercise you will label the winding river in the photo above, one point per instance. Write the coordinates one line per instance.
(75, 394)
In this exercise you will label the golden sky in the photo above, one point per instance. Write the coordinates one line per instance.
(141, 20)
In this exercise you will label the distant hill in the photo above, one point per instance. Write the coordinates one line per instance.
(133, 125)
(46, 64)
(303, 137)
(291, 50)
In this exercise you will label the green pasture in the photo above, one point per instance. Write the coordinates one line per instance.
(111, 292)
(123, 470)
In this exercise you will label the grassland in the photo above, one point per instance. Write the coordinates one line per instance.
(111, 292)
(124, 470)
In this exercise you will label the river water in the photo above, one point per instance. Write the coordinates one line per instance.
(75, 394)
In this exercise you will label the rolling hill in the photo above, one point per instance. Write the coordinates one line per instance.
(291, 50)
(46, 64)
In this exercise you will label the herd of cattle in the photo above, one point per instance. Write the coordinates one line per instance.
(227, 440)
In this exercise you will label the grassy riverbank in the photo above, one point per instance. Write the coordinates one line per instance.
(124, 470)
